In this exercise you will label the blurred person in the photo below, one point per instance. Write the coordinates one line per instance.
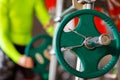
(16, 20)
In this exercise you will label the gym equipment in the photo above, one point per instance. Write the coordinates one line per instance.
(87, 43)
(38, 54)
(53, 60)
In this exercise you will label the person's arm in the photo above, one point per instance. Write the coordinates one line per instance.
(5, 41)
(44, 17)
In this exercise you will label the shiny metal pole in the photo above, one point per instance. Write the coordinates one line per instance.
(53, 60)
(118, 67)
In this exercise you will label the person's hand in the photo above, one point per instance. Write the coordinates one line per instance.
(49, 27)
(26, 62)
(50, 23)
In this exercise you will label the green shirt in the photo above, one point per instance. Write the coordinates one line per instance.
(16, 20)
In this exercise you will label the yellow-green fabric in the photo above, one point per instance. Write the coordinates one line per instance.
(16, 23)
(50, 30)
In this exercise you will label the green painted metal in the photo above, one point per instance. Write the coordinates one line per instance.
(31, 51)
(90, 58)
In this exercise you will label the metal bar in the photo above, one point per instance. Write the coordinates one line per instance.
(79, 68)
(53, 61)
(118, 67)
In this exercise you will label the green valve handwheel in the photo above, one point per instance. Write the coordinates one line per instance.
(87, 43)
(39, 54)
